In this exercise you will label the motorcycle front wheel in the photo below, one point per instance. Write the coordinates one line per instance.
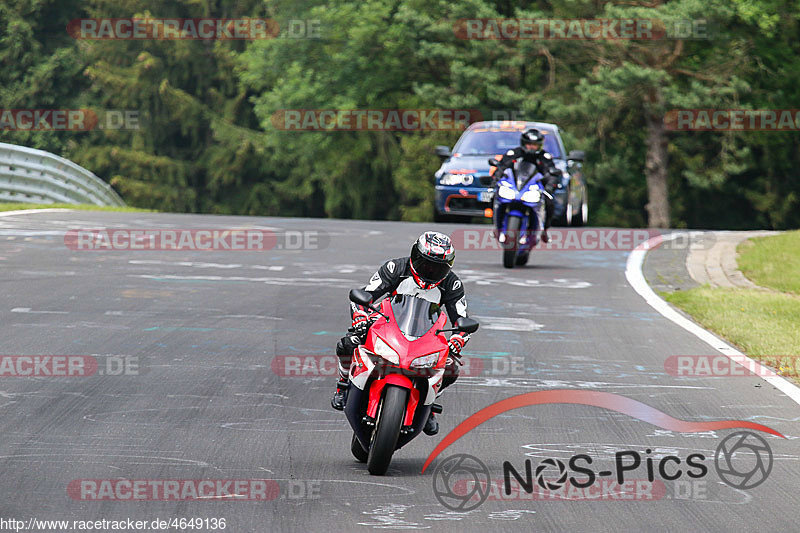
(387, 429)
(512, 241)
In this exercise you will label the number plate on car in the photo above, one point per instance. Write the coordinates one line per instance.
(485, 196)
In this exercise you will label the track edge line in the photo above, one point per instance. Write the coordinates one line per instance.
(43, 210)
(636, 279)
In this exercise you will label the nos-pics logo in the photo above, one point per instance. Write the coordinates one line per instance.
(743, 460)
(463, 482)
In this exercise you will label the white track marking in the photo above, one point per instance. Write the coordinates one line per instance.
(267, 280)
(509, 323)
(28, 310)
(197, 264)
(26, 211)
(635, 276)
(28, 233)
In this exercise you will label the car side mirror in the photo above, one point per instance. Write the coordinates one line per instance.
(576, 155)
(467, 325)
(360, 297)
(443, 151)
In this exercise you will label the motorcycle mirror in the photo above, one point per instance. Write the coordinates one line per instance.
(360, 297)
(464, 325)
(467, 325)
(576, 155)
(492, 162)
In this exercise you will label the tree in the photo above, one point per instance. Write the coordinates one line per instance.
(634, 83)
(209, 140)
(38, 65)
(195, 149)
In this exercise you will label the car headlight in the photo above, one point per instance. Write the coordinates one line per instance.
(425, 361)
(456, 179)
(507, 192)
(532, 196)
(386, 351)
(450, 179)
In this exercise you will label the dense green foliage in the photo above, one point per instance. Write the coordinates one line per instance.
(206, 141)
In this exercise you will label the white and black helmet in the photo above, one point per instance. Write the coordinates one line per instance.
(432, 257)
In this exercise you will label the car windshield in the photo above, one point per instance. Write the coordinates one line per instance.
(414, 316)
(492, 142)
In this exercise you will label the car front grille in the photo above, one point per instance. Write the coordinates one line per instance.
(457, 203)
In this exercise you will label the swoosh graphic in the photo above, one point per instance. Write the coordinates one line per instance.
(606, 400)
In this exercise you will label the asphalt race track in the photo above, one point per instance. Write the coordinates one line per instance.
(203, 398)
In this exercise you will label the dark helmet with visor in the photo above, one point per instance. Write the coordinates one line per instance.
(531, 136)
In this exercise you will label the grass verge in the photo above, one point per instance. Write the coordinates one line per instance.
(763, 324)
(773, 261)
(759, 322)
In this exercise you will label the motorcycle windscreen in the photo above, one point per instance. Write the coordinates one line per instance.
(414, 316)
(524, 171)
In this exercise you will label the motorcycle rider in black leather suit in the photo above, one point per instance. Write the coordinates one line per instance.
(425, 273)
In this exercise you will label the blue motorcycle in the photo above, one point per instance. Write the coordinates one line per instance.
(519, 211)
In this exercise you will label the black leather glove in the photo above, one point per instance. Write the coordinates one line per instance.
(498, 174)
(553, 181)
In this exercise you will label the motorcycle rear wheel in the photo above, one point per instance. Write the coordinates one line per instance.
(358, 451)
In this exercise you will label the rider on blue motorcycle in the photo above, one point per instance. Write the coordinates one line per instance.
(530, 150)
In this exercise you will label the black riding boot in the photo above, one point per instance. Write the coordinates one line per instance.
(344, 350)
(450, 376)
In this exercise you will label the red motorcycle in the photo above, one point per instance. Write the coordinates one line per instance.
(395, 375)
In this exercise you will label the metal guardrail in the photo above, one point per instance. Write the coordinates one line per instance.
(35, 176)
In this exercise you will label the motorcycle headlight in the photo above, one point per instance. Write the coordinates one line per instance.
(507, 192)
(386, 351)
(532, 196)
(425, 361)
